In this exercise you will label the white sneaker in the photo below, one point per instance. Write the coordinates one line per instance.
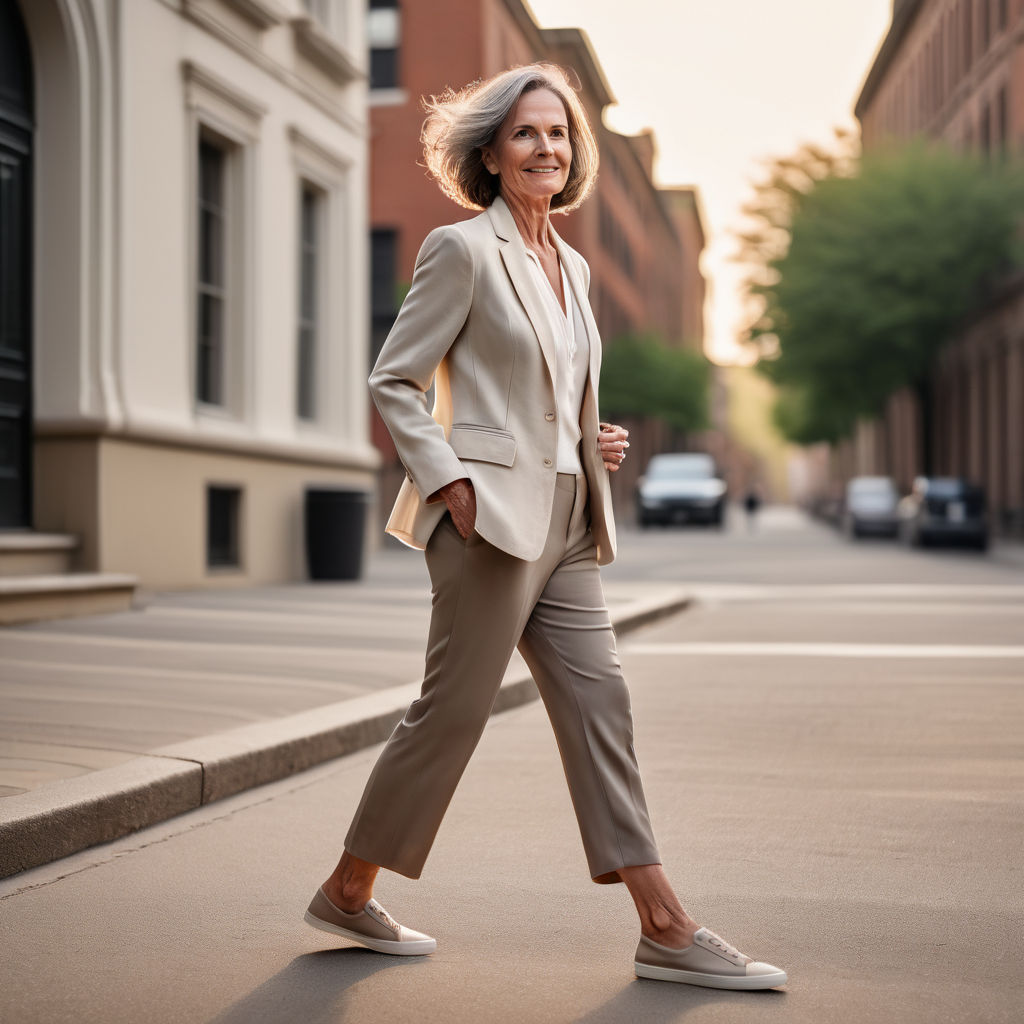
(373, 926)
(710, 962)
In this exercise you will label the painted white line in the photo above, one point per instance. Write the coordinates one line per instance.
(876, 591)
(827, 650)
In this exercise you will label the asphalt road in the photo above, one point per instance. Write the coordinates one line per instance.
(831, 741)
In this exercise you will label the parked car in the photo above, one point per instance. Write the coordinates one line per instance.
(680, 487)
(870, 507)
(944, 510)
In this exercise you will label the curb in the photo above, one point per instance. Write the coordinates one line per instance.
(57, 820)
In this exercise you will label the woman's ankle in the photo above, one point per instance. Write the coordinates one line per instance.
(350, 898)
(678, 935)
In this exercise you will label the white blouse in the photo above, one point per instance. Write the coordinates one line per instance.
(572, 359)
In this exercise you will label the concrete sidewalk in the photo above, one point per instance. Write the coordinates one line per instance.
(115, 722)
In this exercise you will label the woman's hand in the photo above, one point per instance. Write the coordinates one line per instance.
(460, 498)
(612, 445)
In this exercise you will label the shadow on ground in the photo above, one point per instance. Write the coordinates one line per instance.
(659, 1002)
(312, 988)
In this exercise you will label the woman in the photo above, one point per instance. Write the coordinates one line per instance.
(507, 492)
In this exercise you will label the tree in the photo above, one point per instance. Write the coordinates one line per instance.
(641, 376)
(882, 261)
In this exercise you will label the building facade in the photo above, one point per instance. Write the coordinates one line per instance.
(189, 249)
(954, 70)
(642, 242)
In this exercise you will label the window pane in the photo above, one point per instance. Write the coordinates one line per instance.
(223, 508)
(211, 173)
(211, 248)
(307, 296)
(383, 28)
(310, 210)
(211, 272)
(383, 256)
(305, 402)
(209, 350)
(383, 69)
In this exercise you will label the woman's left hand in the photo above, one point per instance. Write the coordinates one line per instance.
(612, 444)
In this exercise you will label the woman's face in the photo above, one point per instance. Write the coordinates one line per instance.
(531, 150)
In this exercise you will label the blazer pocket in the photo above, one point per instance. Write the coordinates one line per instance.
(483, 444)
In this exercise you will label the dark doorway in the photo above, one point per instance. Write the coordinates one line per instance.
(15, 270)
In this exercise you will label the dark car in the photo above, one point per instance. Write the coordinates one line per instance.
(944, 510)
(680, 487)
(870, 507)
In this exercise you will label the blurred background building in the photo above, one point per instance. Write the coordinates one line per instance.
(184, 282)
(642, 242)
(954, 70)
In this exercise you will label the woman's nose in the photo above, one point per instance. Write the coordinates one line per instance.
(544, 144)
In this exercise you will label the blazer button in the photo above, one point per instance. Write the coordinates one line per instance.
(548, 462)
(549, 416)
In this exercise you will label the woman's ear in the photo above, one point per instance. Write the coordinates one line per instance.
(488, 158)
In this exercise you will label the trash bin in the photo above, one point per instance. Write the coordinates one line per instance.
(335, 532)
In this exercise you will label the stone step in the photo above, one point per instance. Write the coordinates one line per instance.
(35, 554)
(62, 595)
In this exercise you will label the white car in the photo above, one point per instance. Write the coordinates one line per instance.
(870, 506)
(680, 487)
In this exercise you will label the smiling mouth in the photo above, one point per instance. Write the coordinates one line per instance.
(542, 170)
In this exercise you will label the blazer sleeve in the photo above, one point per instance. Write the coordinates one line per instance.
(431, 318)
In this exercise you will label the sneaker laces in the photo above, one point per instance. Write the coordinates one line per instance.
(722, 946)
(384, 916)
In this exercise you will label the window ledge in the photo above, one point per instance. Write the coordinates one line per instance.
(388, 97)
(263, 14)
(314, 43)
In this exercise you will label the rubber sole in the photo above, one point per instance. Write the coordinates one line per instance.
(733, 982)
(418, 947)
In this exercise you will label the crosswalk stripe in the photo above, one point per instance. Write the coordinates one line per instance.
(828, 650)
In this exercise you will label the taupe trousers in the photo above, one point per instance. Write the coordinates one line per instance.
(485, 603)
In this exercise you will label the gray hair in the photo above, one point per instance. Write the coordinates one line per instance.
(460, 123)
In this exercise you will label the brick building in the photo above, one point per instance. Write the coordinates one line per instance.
(954, 70)
(643, 243)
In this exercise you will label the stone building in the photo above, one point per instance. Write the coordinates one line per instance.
(954, 70)
(642, 242)
(184, 281)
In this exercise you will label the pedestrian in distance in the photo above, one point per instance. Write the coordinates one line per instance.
(752, 503)
(507, 492)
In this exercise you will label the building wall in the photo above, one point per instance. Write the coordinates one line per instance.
(950, 69)
(954, 70)
(122, 106)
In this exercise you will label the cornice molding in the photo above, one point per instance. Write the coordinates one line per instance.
(263, 14)
(196, 75)
(317, 46)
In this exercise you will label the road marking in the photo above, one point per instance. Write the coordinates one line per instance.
(831, 650)
(873, 591)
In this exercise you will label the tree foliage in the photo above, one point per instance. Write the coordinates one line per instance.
(865, 270)
(641, 376)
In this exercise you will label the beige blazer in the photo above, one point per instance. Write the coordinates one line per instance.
(473, 324)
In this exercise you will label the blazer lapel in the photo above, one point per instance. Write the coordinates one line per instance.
(513, 254)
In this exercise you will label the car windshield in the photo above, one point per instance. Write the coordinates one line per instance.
(681, 467)
(945, 488)
(865, 486)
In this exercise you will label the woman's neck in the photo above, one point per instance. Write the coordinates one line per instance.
(532, 220)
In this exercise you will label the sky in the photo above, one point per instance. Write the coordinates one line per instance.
(727, 85)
